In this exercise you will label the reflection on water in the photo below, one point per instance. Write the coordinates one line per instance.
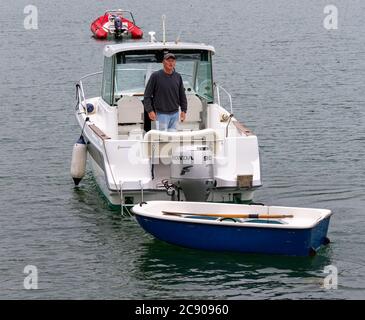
(181, 272)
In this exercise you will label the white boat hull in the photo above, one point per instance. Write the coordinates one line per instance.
(132, 197)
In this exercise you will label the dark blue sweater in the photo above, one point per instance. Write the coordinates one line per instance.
(165, 93)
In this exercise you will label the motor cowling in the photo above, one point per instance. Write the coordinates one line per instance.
(118, 25)
(192, 170)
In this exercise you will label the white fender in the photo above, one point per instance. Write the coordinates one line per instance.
(78, 161)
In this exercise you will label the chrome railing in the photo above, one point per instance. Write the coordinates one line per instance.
(80, 93)
(218, 88)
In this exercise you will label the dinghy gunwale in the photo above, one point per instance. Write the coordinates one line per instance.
(286, 223)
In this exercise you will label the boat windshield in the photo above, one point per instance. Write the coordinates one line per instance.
(133, 70)
(124, 13)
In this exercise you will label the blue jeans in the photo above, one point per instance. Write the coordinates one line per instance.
(167, 121)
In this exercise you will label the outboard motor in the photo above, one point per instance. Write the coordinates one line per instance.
(118, 25)
(192, 171)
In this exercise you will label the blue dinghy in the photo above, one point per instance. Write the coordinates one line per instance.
(236, 227)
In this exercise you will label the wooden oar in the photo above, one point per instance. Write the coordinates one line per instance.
(235, 215)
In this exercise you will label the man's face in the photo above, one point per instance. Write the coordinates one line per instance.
(169, 64)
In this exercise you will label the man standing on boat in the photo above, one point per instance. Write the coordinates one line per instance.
(164, 94)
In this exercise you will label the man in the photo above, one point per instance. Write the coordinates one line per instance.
(164, 94)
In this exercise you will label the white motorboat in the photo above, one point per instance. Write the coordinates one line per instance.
(211, 157)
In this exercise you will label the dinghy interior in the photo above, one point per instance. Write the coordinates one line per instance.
(211, 157)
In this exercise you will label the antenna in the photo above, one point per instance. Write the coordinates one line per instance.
(163, 29)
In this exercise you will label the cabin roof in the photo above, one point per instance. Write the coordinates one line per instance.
(112, 49)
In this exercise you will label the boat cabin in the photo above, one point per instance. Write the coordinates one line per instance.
(127, 69)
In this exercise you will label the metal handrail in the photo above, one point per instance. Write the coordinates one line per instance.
(181, 141)
(218, 87)
(90, 74)
(81, 92)
(121, 11)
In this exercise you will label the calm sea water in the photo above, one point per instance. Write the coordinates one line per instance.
(298, 86)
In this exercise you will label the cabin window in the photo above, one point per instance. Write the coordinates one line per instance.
(107, 90)
(134, 68)
(203, 79)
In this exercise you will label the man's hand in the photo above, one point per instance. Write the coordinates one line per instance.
(152, 115)
(182, 116)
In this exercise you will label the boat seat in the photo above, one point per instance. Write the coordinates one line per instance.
(193, 115)
(160, 144)
(130, 114)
